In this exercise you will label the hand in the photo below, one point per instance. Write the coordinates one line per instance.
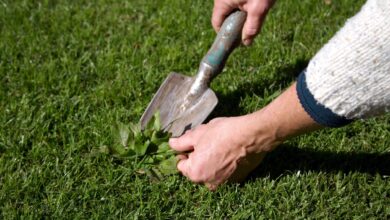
(224, 149)
(256, 13)
(230, 148)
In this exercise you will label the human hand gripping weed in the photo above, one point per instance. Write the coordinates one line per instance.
(228, 149)
(256, 10)
(219, 150)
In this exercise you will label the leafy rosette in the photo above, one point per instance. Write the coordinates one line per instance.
(148, 146)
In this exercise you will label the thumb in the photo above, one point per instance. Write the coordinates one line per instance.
(182, 166)
(252, 26)
(183, 143)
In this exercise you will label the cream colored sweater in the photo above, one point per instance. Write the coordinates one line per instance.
(350, 75)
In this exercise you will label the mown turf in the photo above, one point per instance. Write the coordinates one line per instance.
(69, 70)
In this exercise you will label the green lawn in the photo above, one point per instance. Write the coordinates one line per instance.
(69, 70)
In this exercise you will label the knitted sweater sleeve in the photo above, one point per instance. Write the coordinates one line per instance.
(350, 75)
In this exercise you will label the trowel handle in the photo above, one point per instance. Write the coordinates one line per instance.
(228, 38)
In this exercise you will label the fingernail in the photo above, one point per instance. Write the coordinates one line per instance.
(247, 42)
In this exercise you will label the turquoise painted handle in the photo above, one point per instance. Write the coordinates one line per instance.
(228, 38)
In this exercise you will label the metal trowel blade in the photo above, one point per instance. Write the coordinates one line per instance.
(169, 100)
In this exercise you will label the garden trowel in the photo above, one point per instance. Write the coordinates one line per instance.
(184, 102)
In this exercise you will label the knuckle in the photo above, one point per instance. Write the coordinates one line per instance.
(196, 175)
(259, 10)
(201, 127)
(188, 133)
(198, 131)
(268, 148)
(215, 120)
(251, 32)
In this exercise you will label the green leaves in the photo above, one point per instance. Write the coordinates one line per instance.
(149, 147)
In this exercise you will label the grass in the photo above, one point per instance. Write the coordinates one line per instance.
(69, 70)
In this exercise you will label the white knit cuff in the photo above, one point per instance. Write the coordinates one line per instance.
(350, 75)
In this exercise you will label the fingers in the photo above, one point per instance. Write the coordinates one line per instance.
(180, 157)
(192, 164)
(253, 24)
(183, 143)
(211, 186)
(187, 141)
(182, 166)
(257, 10)
(220, 11)
(192, 171)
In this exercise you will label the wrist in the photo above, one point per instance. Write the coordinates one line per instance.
(280, 120)
(262, 132)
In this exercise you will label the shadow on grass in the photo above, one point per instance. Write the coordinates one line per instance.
(228, 104)
(289, 159)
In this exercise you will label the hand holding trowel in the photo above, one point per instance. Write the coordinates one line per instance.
(185, 102)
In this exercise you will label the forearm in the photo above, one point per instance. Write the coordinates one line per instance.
(288, 117)
(281, 119)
